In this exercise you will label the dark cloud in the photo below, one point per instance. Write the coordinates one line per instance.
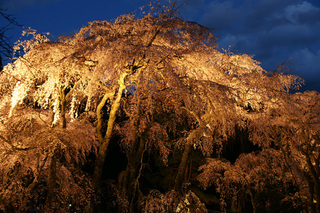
(272, 30)
(192, 9)
(310, 18)
(306, 64)
(257, 11)
(290, 35)
(301, 13)
(221, 15)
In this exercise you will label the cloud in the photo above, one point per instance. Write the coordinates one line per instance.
(305, 63)
(308, 56)
(301, 13)
(193, 8)
(221, 15)
(290, 35)
(272, 30)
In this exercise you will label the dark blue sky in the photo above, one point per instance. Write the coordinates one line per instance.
(272, 30)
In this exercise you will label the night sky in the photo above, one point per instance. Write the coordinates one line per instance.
(271, 30)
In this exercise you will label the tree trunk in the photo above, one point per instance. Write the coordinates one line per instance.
(316, 194)
(63, 102)
(182, 168)
(51, 183)
(107, 95)
(99, 163)
(316, 183)
(51, 115)
(196, 133)
(135, 158)
(63, 108)
(253, 202)
(131, 168)
(129, 178)
(106, 140)
(184, 160)
(311, 206)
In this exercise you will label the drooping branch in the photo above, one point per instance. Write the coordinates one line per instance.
(52, 180)
(195, 134)
(153, 37)
(13, 147)
(185, 157)
(63, 104)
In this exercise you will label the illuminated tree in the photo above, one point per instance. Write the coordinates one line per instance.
(159, 84)
(263, 178)
(40, 165)
(299, 140)
(289, 131)
(50, 73)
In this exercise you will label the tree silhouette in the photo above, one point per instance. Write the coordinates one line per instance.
(5, 44)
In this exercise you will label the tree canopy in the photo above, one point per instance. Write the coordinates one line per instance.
(159, 120)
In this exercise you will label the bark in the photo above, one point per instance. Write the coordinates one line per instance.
(51, 182)
(107, 95)
(135, 158)
(130, 171)
(129, 178)
(317, 195)
(187, 150)
(63, 98)
(184, 160)
(51, 114)
(311, 206)
(316, 181)
(104, 143)
(106, 140)
(253, 201)
(63, 103)
(36, 179)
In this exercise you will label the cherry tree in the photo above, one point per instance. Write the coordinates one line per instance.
(299, 141)
(286, 125)
(160, 84)
(50, 73)
(49, 159)
(263, 178)
(40, 165)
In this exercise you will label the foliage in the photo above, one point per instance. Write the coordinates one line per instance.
(173, 202)
(30, 148)
(262, 177)
(152, 85)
